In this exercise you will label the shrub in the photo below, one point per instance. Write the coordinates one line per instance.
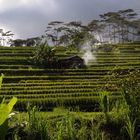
(44, 55)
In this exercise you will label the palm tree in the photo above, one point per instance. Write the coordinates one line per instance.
(118, 24)
(96, 28)
(135, 25)
(5, 37)
(53, 31)
(126, 17)
(44, 55)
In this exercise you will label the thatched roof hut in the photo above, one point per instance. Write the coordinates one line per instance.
(72, 62)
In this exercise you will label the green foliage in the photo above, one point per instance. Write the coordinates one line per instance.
(70, 88)
(104, 101)
(78, 38)
(65, 128)
(5, 110)
(96, 133)
(1, 79)
(129, 128)
(37, 126)
(130, 92)
(44, 55)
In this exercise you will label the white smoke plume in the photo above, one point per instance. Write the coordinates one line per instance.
(88, 50)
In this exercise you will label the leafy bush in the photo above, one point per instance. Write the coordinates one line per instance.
(44, 55)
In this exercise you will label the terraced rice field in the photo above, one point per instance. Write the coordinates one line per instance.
(49, 88)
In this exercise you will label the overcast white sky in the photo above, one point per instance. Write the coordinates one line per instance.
(29, 18)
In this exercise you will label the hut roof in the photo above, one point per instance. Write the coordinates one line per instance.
(76, 57)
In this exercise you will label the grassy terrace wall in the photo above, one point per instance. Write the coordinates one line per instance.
(48, 88)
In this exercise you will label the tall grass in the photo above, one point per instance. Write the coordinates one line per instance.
(66, 129)
(37, 126)
(104, 101)
(1, 79)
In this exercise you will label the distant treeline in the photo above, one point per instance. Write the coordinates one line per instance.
(111, 27)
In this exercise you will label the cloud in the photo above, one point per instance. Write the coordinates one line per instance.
(28, 18)
(45, 5)
(25, 23)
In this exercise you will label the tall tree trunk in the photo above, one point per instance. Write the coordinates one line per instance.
(109, 31)
(114, 34)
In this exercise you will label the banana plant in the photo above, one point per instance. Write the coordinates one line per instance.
(5, 110)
